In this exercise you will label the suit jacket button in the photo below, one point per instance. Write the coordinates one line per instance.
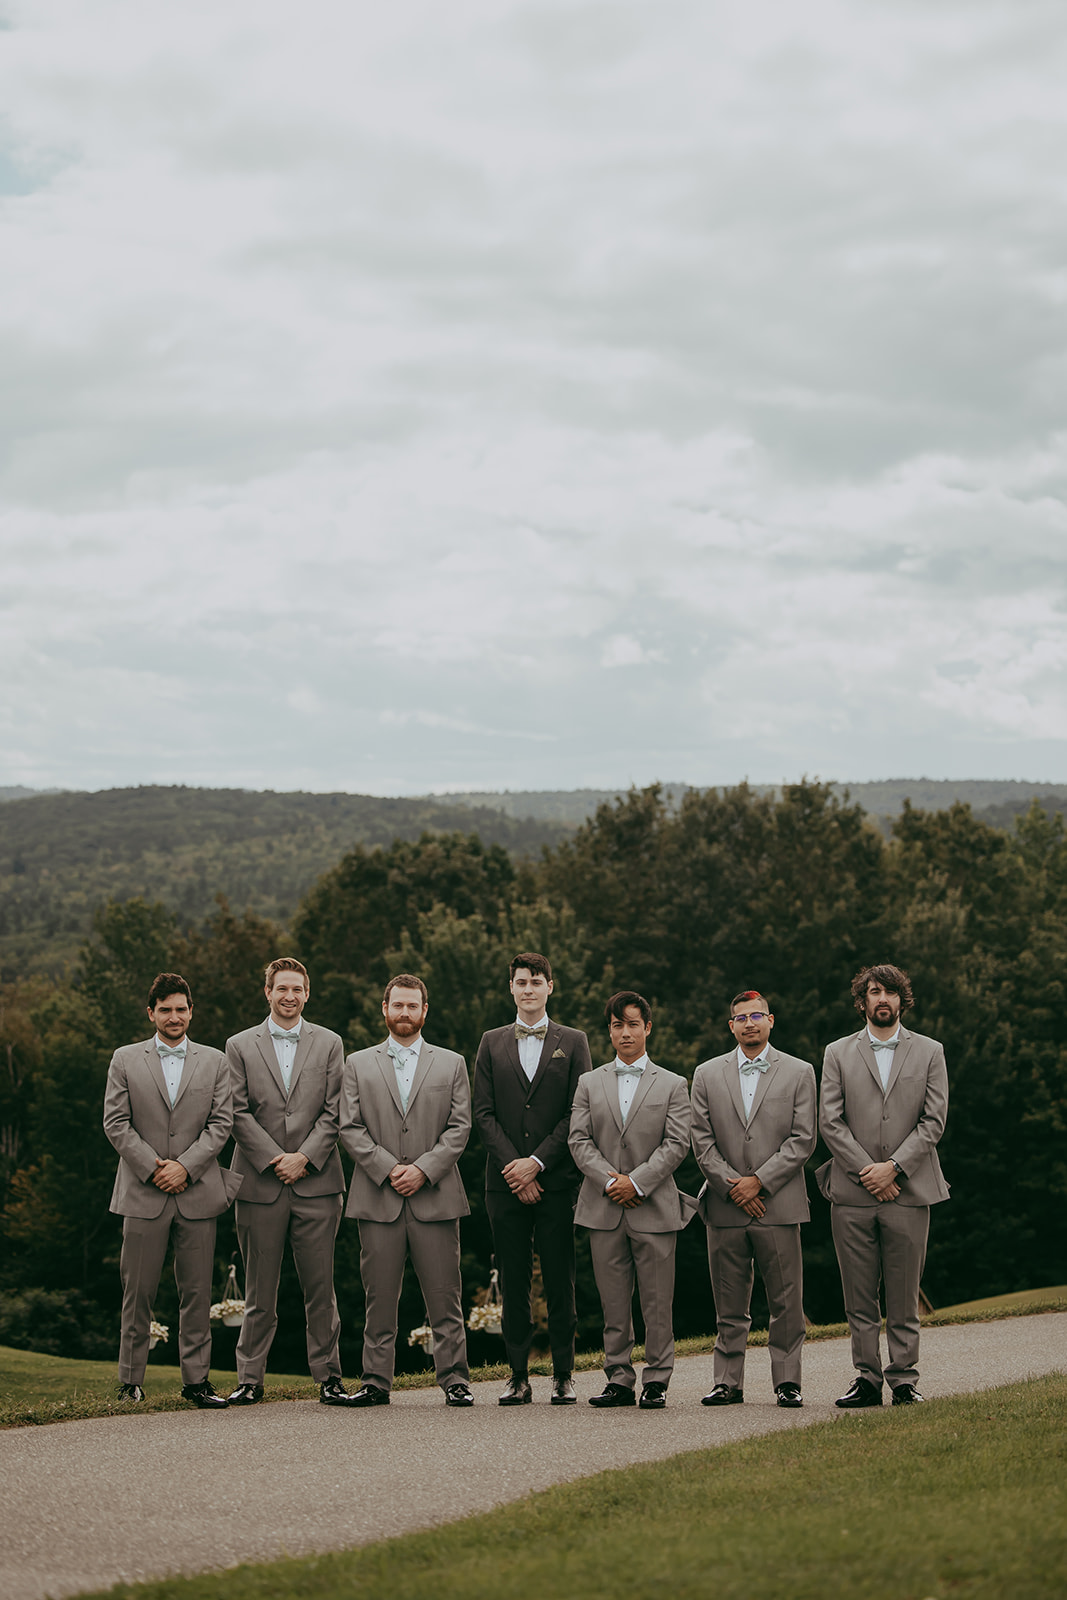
(526, 1107)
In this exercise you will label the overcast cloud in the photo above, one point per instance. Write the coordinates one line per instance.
(495, 394)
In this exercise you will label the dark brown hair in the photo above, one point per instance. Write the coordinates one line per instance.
(616, 1006)
(533, 962)
(285, 964)
(166, 984)
(405, 980)
(890, 977)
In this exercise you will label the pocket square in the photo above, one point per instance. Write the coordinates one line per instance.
(558, 1055)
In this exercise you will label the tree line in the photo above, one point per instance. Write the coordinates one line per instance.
(685, 900)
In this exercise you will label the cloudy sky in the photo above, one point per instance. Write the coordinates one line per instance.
(531, 393)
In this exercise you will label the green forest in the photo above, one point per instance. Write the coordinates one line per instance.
(686, 898)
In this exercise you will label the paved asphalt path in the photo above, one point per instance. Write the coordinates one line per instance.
(87, 1504)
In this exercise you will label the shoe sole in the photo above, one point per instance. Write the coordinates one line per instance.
(564, 1400)
(527, 1399)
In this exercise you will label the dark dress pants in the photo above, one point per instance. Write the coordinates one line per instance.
(518, 1231)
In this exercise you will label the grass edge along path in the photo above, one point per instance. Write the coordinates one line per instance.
(163, 1384)
(964, 1497)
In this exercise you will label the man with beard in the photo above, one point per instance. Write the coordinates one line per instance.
(883, 1105)
(524, 1082)
(168, 1110)
(753, 1130)
(405, 1121)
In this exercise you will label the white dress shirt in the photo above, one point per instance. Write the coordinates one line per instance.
(172, 1065)
(405, 1058)
(627, 1082)
(530, 1048)
(883, 1056)
(285, 1048)
(749, 1080)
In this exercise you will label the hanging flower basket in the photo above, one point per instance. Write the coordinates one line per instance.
(423, 1336)
(230, 1310)
(487, 1308)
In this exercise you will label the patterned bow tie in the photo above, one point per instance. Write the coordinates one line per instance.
(171, 1049)
(754, 1066)
(285, 1033)
(523, 1032)
(622, 1069)
(882, 1044)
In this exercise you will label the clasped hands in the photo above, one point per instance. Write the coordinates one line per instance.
(170, 1176)
(407, 1179)
(745, 1192)
(622, 1191)
(521, 1177)
(289, 1168)
(879, 1179)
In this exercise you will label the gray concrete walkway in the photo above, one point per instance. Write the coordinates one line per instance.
(87, 1504)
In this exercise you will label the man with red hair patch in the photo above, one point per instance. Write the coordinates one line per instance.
(753, 1130)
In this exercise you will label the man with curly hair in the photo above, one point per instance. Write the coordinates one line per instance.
(883, 1104)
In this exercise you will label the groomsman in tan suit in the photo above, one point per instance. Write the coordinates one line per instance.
(286, 1075)
(629, 1131)
(405, 1120)
(168, 1109)
(883, 1106)
(753, 1130)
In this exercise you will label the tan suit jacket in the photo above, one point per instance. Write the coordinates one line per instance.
(773, 1144)
(432, 1134)
(141, 1123)
(267, 1122)
(653, 1142)
(862, 1123)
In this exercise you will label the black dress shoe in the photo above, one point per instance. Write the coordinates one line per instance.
(204, 1396)
(614, 1394)
(333, 1393)
(459, 1394)
(517, 1391)
(371, 1394)
(563, 1390)
(723, 1395)
(246, 1394)
(653, 1397)
(132, 1392)
(906, 1394)
(861, 1394)
(788, 1395)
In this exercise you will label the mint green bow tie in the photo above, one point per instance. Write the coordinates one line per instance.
(754, 1066)
(171, 1049)
(622, 1069)
(285, 1033)
(882, 1044)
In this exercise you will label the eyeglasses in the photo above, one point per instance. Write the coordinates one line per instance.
(750, 1016)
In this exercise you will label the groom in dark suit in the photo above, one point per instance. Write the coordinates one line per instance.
(524, 1082)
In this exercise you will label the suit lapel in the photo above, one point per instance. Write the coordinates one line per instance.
(303, 1050)
(549, 1043)
(899, 1055)
(732, 1079)
(644, 1083)
(863, 1045)
(270, 1057)
(155, 1071)
(189, 1066)
(611, 1092)
(765, 1080)
(388, 1072)
(422, 1070)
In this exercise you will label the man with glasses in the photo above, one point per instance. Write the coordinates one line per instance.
(753, 1130)
(883, 1106)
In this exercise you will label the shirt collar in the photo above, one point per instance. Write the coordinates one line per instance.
(876, 1044)
(542, 1018)
(637, 1066)
(414, 1045)
(743, 1060)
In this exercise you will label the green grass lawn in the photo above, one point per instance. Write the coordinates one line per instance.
(960, 1499)
(36, 1389)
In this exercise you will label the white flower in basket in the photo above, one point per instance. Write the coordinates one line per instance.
(158, 1333)
(487, 1308)
(423, 1336)
(230, 1310)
